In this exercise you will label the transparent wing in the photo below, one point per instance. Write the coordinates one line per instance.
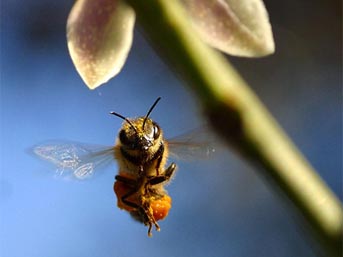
(73, 159)
(196, 144)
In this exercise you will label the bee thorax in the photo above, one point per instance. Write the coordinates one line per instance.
(142, 157)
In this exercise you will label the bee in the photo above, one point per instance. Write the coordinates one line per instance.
(141, 152)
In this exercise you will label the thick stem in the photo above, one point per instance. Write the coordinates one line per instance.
(238, 116)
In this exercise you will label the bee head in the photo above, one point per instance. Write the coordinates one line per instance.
(135, 136)
(141, 134)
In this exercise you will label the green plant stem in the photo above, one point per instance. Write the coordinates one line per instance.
(238, 116)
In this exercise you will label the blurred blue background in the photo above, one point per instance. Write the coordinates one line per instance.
(221, 207)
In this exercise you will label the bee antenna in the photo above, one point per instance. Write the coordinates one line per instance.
(126, 119)
(150, 110)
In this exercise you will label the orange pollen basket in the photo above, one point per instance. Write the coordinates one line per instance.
(160, 207)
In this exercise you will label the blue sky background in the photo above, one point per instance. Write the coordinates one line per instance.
(221, 207)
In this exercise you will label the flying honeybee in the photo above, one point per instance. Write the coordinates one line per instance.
(141, 152)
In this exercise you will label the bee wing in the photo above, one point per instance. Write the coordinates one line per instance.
(73, 159)
(193, 145)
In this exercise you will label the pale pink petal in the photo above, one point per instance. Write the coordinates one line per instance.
(99, 34)
(236, 27)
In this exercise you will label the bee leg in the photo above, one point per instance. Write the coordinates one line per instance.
(129, 203)
(149, 230)
(131, 183)
(144, 214)
(143, 211)
(159, 160)
(127, 181)
(168, 173)
(150, 219)
(150, 227)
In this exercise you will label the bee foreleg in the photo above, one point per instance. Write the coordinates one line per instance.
(168, 173)
(170, 170)
(159, 154)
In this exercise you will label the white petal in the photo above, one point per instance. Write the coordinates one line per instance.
(99, 34)
(236, 27)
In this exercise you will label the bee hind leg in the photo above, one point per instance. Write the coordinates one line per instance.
(141, 214)
(142, 211)
(150, 228)
(150, 224)
(144, 215)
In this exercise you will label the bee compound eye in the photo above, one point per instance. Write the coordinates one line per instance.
(156, 131)
(123, 137)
